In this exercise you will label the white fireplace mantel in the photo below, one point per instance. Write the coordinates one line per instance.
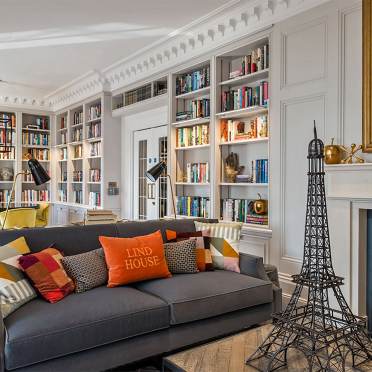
(349, 196)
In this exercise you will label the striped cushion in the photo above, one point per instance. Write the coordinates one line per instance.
(15, 289)
(228, 230)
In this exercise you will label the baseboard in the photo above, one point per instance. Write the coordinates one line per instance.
(288, 287)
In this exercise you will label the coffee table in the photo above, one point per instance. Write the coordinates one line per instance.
(229, 355)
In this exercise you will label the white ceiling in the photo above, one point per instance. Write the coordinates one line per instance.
(45, 44)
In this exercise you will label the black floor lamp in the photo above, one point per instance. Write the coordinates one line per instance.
(155, 172)
(39, 175)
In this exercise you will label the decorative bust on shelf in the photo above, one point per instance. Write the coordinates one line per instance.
(6, 174)
(232, 167)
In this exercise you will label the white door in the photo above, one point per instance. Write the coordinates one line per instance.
(150, 199)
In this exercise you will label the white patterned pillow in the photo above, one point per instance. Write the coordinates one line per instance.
(181, 257)
(87, 270)
(230, 231)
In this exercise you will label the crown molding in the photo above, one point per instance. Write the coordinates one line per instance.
(231, 22)
(32, 103)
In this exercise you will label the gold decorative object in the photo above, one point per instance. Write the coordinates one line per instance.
(260, 205)
(351, 154)
(367, 76)
(232, 167)
(332, 153)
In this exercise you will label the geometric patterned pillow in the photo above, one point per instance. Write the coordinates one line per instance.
(15, 289)
(181, 257)
(203, 255)
(224, 256)
(87, 270)
(46, 272)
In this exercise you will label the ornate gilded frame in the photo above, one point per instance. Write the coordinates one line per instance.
(367, 76)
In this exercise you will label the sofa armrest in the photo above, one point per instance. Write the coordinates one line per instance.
(253, 266)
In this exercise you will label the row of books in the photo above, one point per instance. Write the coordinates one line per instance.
(36, 139)
(63, 153)
(77, 176)
(241, 210)
(94, 175)
(62, 195)
(63, 122)
(94, 112)
(63, 138)
(193, 136)
(33, 196)
(137, 95)
(95, 149)
(78, 117)
(77, 134)
(94, 130)
(7, 137)
(199, 108)
(40, 123)
(239, 130)
(94, 199)
(193, 81)
(4, 196)
(261, 173)
(63, 176)
(78, 151)
(244, 97)
(8, 155)
(39, 154)
(78, 196)
(193, 206)
(257, 60)
(11, 117)
(197, 172)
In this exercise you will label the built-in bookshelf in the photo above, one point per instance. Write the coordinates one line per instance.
(84, 165)
(242, 133)
(190, 131)
(36, 141)
(140, 93)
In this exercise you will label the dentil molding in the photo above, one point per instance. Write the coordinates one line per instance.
(236, 19)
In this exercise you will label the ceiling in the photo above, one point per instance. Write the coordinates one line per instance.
(45, 44)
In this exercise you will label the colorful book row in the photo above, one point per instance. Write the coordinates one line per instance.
(261, 173)
(241, 210)
(193, 206)
(197, 172)
(94, 199)
(94, 112)
(193, 81)
(199, 108)
(193, 136)
(35, 139)
(34, 196)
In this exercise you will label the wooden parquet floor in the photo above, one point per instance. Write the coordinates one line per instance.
(229, 355)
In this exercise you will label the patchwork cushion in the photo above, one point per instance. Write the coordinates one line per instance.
(203, 255)
(87, 270)
(46, 272)
(230, 231)
(15, 289)
(181, 257)
(224, 256)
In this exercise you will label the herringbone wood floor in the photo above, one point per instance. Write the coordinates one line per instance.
(229, 355)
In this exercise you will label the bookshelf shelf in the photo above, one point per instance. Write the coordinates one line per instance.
(244, 79)
(244, 184)
(192, 183)
(191, 122)
(244, 112)
(202, 92)
(35, 146)
(94, 139)
(93, 120)
(35, 130)
(197, 147)
(77, 159)
(75, 143)
(244, 142)
(77, 125)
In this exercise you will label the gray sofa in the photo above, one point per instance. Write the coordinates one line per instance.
(108, 327)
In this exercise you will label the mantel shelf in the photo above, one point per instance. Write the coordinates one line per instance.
(348, 167)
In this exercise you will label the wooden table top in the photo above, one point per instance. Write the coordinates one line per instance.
(229, 355)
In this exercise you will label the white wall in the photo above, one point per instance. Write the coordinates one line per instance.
(131, 122)
(316, 74)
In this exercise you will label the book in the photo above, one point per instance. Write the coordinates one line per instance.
(193, 136)
(193, 206)
(198, 108)
(241, 210)
(192, 81)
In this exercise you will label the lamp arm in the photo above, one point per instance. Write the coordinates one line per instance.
(11, 195)
(171, 190)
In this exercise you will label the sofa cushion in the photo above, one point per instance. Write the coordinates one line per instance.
(39, 330)
(203, 295)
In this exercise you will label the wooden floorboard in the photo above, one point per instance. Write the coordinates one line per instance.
(229, 355)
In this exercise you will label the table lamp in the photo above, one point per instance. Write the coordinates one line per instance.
(155, 172)
(39, 175)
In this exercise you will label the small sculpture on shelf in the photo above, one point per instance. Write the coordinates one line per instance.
(332, 153)
(232, 167)
(351, 154)
(260, 205)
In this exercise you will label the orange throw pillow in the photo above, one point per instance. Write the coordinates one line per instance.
(132, 260)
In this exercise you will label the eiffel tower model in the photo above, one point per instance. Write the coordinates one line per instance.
(326, 336)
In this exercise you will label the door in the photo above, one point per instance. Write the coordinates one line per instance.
(150, 199)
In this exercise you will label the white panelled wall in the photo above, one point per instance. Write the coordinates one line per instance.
(316, 64)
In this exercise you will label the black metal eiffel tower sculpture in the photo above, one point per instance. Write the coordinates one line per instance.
(326, 336)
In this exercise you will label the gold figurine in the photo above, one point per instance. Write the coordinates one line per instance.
(351, 154)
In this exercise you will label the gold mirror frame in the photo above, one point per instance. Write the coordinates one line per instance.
(367, 78)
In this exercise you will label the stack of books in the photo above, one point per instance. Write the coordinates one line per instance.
(99, 217)
(193, 136)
